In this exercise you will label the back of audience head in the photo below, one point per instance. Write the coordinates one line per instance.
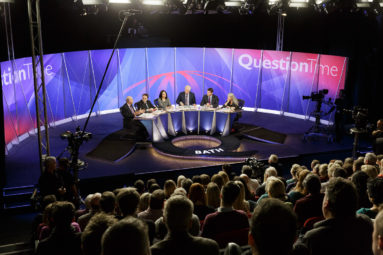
(225, 177)
(349, 160)
(91, 236)
(213, 195)
(370, 170)
(275, 188)
(169, 188)
(273, 228)
(154, 187)
(246, 169)
(301, 177)
(314, 163)
(150, 182)
(323, 171)
(370, 159)
(375, 191)
(218, 179)
(312, 184)
(340, 199)
(128, 236)
(273, 159)
(178, 213)
(205, 179)
(241, 198)
(196, 179)
(157, 199)
(128, 200)
(229, 193)
(295, 169)
(357, 165)
(197, 194)
(339, 172)
(186, 183)
(63, 214)
(180, 178)
(140, 186)
(48, 199)
(270, 171)
(227, 168)
(95, 202)
(108, 202)
(50, 164)
(180, 191)
(144, 202)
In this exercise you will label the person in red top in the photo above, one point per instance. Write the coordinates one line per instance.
(226, 220)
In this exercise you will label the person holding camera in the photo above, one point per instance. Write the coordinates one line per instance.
(377, 136)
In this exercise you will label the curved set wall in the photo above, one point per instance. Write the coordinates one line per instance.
(266, 80)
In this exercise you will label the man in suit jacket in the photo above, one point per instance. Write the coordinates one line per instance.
(187, 97)
(145, 104)
(177, 216)
(134, 127)
(210, 99)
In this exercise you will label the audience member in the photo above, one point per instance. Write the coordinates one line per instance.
(360, 180)
(273, 228)
(144, 202)
(310, 205)
(226, 219)
(225, 177)
(186, 183)
(213, 194)
(94, 208)
(63, 239)
(298, 192)
(375, 194)
(370, 170)
(140, 186)
(177, 216)
(108, 202)
(127, 201)
(154, 187)
(270, 171)
(370, 159)
(156, 203)
(205, 180)
(294, 171)
(357, 164)
(128, 236)
(198, 196)
(241, 203)
(274, 162)
(314, 162)
(342, 232)
(323, 175)
(169, 188)
(149, 183)
(340, 172)
(252, 184)
(91, 237)
(196, 179)
(180, 178)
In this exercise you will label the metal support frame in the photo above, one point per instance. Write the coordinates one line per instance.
(39, 79)
(280, 31)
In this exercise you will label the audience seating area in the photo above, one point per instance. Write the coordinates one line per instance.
(324, 208)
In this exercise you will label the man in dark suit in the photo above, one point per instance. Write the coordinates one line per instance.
(145, 104)
(210, 100)
(178, 216)
(186, 98)
(134, 127)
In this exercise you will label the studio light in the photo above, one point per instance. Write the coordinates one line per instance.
(93, 2)
(153, 2)
(7, 1)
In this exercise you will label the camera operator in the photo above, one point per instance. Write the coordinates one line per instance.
(68, 189)
(377, 136)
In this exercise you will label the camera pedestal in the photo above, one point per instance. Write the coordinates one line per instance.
(356, 132)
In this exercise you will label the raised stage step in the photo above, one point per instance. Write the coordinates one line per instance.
(17, 197)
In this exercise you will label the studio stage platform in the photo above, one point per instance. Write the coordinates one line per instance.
(22, 165)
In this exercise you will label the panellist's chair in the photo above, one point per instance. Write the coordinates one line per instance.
(156, 102)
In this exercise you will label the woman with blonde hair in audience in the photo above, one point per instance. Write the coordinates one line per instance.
(225, 177)
(213, 194)
(299, 191)
(144, 202)
(240, 203)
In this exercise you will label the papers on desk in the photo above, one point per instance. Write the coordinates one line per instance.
(147, 116)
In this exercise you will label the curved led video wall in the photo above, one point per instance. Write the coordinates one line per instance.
(273, 81)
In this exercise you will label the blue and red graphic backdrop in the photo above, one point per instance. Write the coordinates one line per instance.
(263, 79)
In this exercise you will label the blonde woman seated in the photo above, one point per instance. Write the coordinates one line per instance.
(231, 102)
(275, 188)
(241, 203)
